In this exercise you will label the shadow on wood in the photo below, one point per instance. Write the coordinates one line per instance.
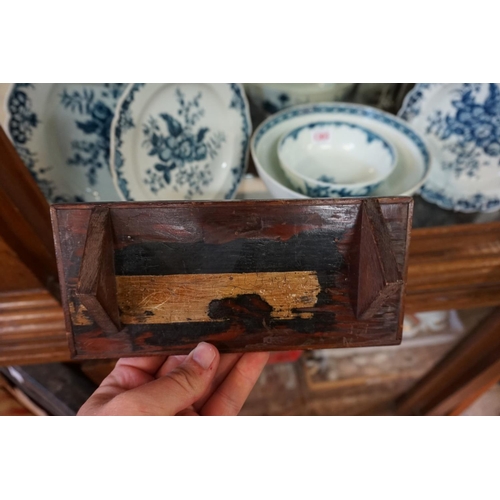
(97, 282)
(376, 276)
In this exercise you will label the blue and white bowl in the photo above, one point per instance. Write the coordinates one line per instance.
(412, 167)
(335, 159)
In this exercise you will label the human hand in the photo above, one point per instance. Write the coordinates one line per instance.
(201, 383)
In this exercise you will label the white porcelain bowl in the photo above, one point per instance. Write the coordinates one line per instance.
(335, 159)
(412, 168)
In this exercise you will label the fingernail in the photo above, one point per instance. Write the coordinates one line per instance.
(204, 354)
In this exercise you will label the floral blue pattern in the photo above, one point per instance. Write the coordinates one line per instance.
(181, 149)
(464, 123)
(22, 118)
(97, 110)
(94, 105)
(22, 122)
(474, 129)
(326, 178)
(412, 103)
(331, 192)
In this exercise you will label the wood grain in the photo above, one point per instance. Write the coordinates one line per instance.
(450, 267)
(454, 267)
(186, 298)
(24, 216)
(378, 276)
(32, 328)
(180, 298)
(96, 288)
(202, 240)
(14, 274)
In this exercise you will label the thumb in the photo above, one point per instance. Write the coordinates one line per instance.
(183, 386)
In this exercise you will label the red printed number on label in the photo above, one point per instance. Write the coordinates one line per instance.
(321, 136)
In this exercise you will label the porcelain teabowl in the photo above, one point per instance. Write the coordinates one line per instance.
(335, 159)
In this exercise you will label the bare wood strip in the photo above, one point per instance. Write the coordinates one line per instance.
(186, 297)
(180, 298)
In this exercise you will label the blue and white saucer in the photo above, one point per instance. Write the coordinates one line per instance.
(175, 141)
(61, 131)
(461, 122)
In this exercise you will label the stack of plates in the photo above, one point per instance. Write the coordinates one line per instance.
(412, 168)
(112, 141)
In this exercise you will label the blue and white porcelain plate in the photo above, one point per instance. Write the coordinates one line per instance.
(175, 141)
(461, 122)
(61, 131)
